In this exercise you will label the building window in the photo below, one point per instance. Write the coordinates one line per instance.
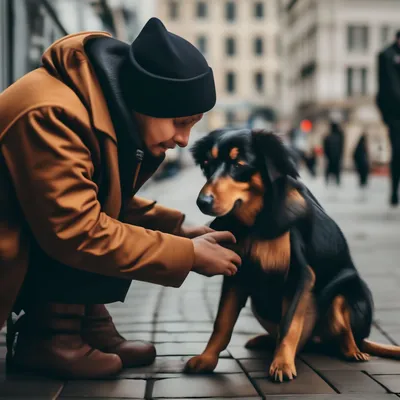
(230, 11)
(230, 82)
(357, 81)
(258, 46)
(202, 44)
(230, 117)
(230, 46)
(201, 9)
(173, 10)
(364, 81)
(259, 82)
(385, 34)
(259, 9)
(357, 38)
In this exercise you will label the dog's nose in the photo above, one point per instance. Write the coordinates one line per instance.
(205, 202)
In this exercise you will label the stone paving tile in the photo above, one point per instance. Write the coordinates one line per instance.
(352, 382)
(177, 337)
(177, 349)
(125, 388)
(26, 387)
(232, 385)
(256, 365)
(146, 336)
(323, 362)
(240, 352)
(352, 396)
(133, 327)
(391, 382)
(184, 327)
(164, 365)
(375, 365)
(305, 383)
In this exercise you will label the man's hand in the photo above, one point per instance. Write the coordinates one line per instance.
(213, 259)
(192, 232)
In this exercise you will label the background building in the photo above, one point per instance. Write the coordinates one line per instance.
(28, 27)
(329, 62)
(240, 40)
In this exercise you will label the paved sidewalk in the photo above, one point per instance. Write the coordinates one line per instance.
(180, 321)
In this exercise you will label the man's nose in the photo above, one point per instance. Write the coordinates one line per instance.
(182, 140)
(205, 203)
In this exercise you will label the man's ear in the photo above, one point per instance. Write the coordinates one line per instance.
(200, 150)
(277, 160)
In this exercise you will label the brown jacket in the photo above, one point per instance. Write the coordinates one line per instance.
(55, 132)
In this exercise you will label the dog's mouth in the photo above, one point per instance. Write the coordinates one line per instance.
(236, 205)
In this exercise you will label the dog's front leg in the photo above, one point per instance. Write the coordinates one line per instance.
(233, 299)
(292, 323)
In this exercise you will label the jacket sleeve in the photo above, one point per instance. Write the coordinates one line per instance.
(389, 79)
(147, 213)
(51, 169)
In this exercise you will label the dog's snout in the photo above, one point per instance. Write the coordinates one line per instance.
(205, 202)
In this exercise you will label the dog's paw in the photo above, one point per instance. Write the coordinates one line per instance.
(201, 364)
(357, 356)
(282, 370)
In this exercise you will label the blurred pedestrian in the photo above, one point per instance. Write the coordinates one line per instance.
(388, 101)
(79, 136)
(333, 150)
(361, 161)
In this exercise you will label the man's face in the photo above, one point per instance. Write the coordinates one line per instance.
(161, 134)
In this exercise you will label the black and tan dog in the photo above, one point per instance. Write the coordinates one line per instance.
(296, 267)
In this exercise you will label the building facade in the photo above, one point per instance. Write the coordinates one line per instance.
(28, 27)
(329, 60)
(240, 41)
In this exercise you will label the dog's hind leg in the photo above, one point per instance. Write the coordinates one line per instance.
(339, 326)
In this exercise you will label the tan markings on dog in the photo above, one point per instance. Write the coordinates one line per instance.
(214, 152)
(295, 196)
(233, 154)
(253, 201)
(241, 162)
(273, 255)
(283, 364)
(226, 191)
(340, 328)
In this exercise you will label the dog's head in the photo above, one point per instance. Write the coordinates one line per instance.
(242, 168)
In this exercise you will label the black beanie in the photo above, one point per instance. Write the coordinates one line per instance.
(166, 76)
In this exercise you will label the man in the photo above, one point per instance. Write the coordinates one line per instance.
(79, 136)
(388, 101)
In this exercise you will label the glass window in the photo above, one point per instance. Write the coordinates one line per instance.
(259, 81)
(230, 11)
(258, 46)
(259, 9)
(173, 10)
(230, 82)
(201, 9)
(357, 38)
(230, 46)
(202, 44)
(230, 117)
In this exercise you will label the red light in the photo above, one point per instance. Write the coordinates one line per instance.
(306, 125)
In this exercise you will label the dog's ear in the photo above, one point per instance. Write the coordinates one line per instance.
(276, 158)
(200, 150)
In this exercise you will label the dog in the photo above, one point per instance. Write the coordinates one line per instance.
(296, 264)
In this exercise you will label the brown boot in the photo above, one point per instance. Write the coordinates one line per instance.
(49, 341)
(100, 332)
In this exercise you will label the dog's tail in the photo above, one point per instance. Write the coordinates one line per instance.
(380, 350)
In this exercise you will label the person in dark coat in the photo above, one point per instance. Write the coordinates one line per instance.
(361, 161)
(333, 150)
(388, 101)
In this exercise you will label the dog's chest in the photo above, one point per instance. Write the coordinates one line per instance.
(272, 256)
